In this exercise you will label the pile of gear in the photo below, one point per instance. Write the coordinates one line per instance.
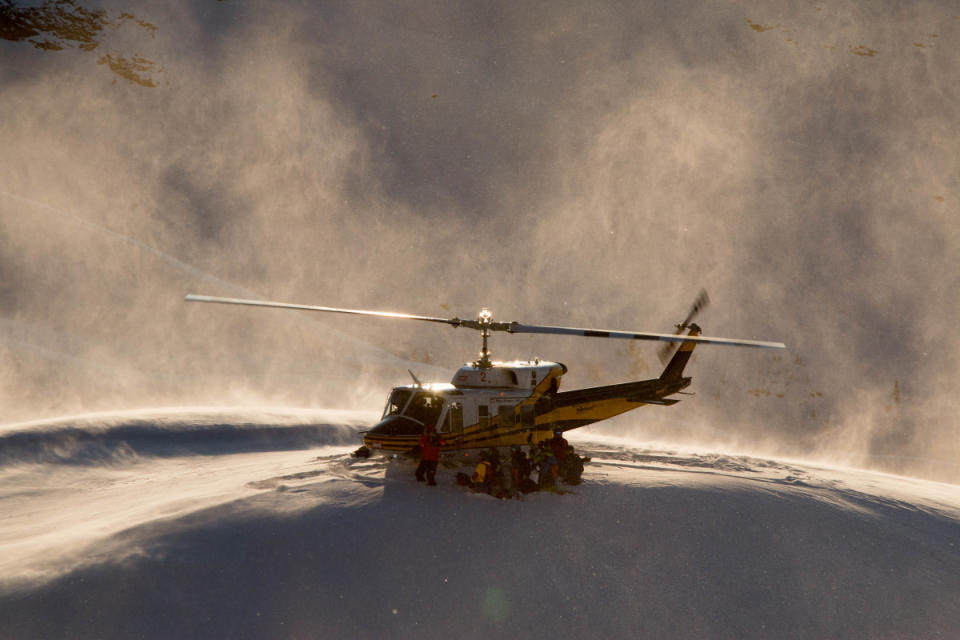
(552, 460)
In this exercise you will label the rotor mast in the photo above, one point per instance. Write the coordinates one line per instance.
(485, 319)
(485, 325)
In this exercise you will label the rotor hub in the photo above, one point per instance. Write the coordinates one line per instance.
(484, 320)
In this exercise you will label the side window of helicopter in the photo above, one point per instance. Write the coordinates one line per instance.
(455, 415)
(527, 415)
(483, 412)
(505, 413)
(453, 419)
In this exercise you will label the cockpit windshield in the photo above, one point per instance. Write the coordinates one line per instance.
(396, 403)
(425, 407)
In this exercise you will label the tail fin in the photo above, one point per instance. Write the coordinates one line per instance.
(674, 369)
(667, 349)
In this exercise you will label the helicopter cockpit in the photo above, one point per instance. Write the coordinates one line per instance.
(422, 406)
(408, 410)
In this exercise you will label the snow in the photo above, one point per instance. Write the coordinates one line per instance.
(201, 524)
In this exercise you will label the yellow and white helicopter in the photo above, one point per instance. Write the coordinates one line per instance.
(499, 404)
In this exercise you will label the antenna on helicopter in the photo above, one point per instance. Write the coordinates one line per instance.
(416, 380)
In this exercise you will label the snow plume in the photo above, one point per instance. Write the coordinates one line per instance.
(562, 164)
(126, 436)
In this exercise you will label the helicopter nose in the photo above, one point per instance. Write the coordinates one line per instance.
(395, 426)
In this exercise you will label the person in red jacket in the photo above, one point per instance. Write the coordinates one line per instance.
(430, 444)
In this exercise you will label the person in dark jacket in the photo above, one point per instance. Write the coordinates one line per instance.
(572, 468)
(546, 464)
(430, 444)
(559, 444)
(520, 468)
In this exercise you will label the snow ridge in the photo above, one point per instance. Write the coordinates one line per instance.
(117, 439)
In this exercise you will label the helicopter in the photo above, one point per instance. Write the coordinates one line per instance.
(500, 404)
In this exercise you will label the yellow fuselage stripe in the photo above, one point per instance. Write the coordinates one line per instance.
(494, 435)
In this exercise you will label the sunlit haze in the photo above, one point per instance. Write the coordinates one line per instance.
(576, 164)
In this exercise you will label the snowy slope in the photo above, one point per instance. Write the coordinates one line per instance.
(213, 525)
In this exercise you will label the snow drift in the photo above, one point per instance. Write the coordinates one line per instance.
(279, 533)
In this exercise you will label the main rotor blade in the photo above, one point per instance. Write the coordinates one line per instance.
(509, 327)
(285, 305)
(515, 327)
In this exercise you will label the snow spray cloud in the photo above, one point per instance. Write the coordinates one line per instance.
(566, 164)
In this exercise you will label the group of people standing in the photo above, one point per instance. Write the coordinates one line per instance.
(552, 460)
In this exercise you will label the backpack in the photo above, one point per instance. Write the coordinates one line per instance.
(521, 463)
(572, 468)
(482, 472)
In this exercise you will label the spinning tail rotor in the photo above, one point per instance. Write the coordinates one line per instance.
(666, 351)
